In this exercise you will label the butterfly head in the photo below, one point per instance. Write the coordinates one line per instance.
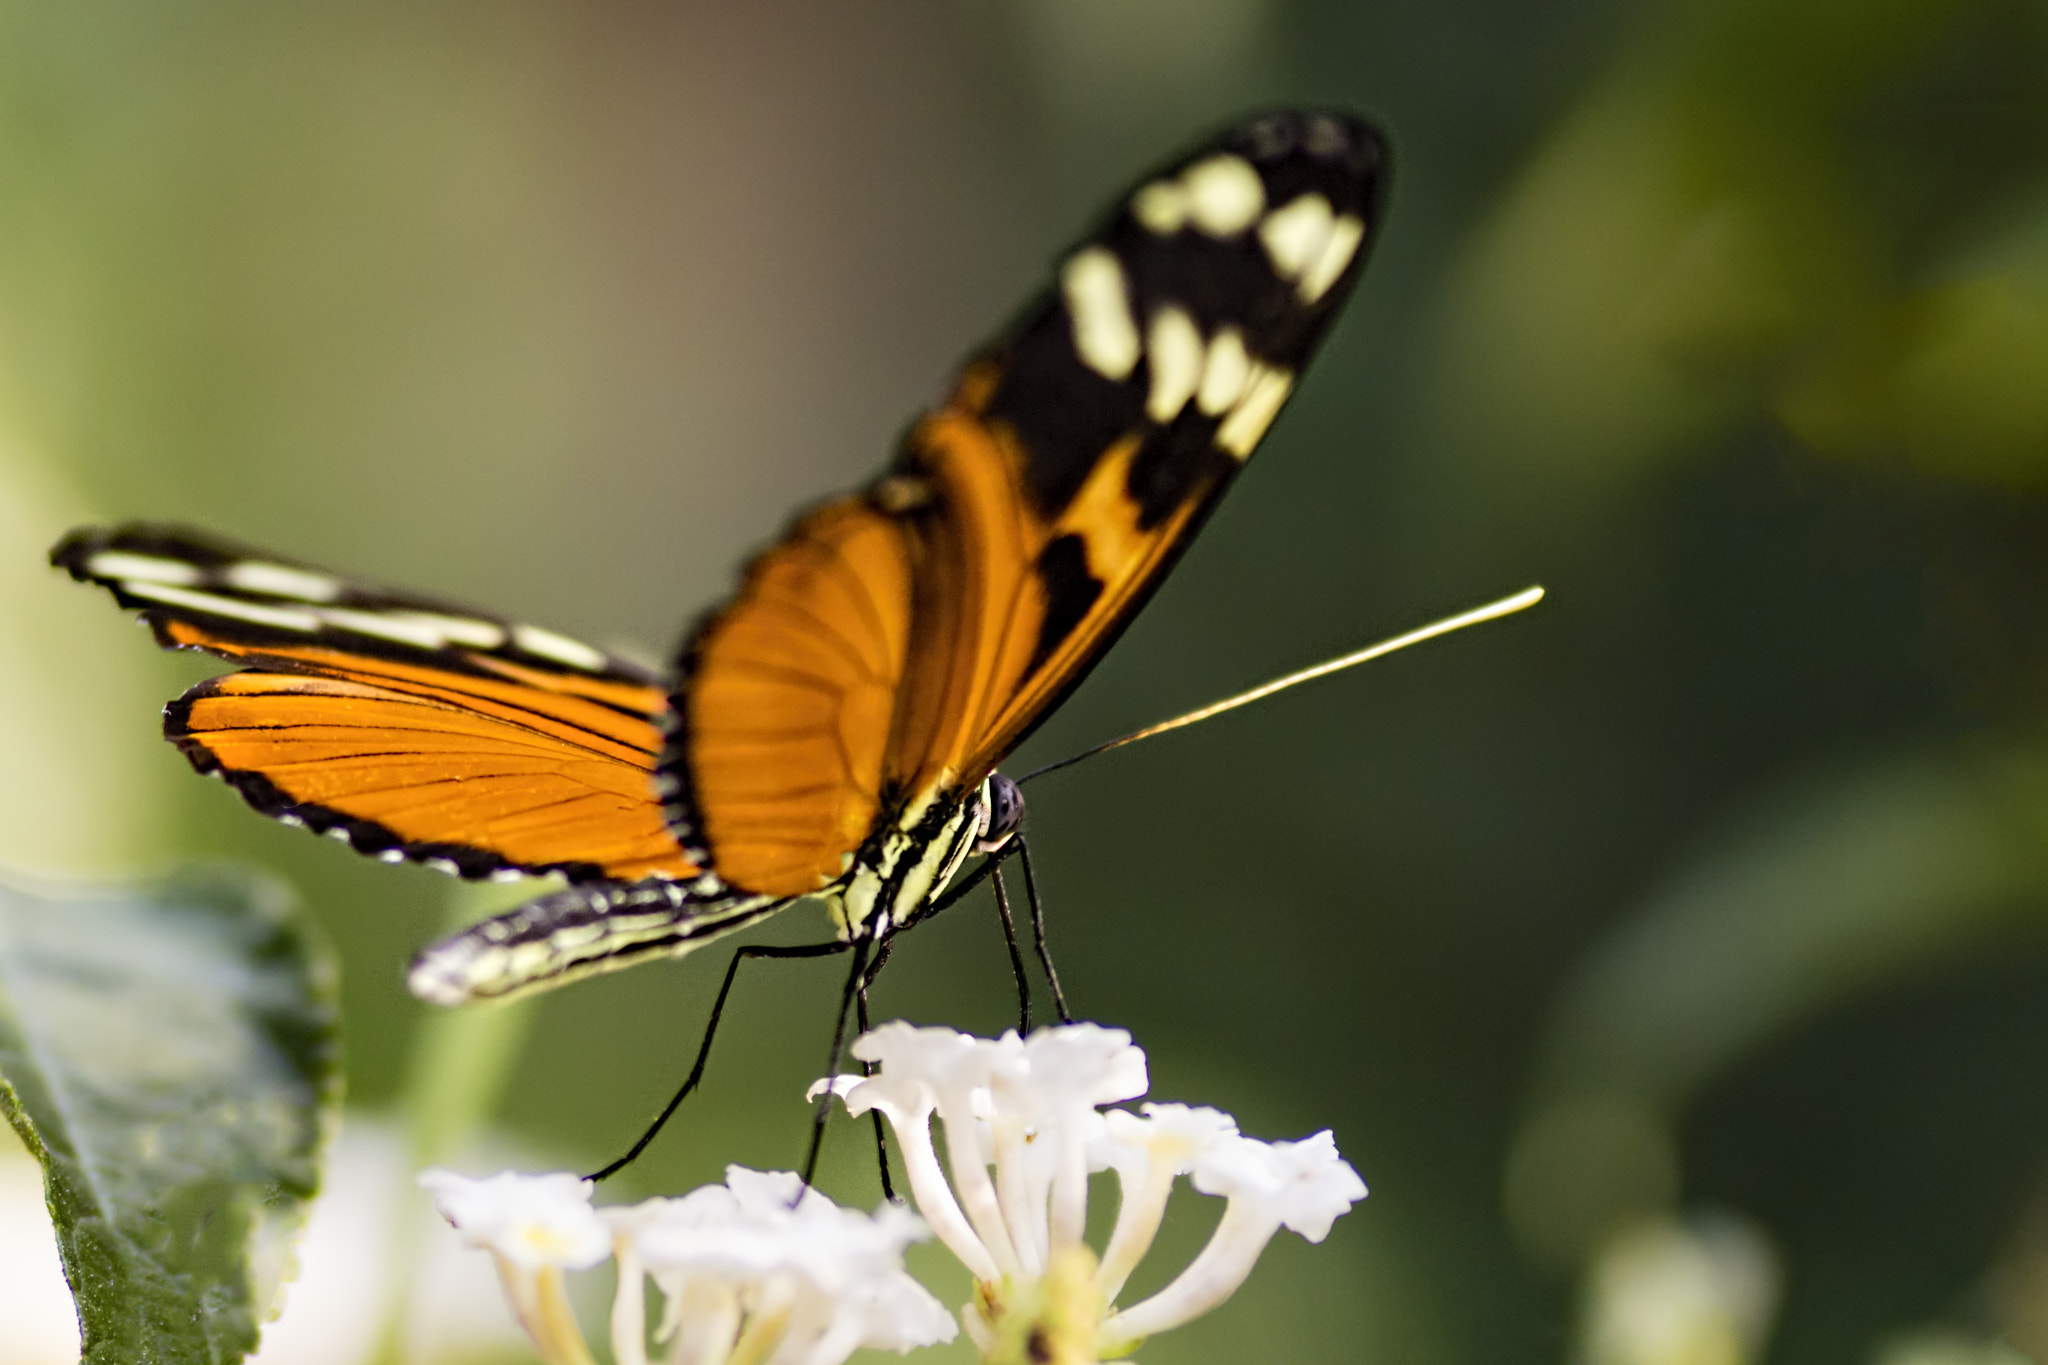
(1002, 811)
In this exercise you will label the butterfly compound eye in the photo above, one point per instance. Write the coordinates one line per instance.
(1004, 812)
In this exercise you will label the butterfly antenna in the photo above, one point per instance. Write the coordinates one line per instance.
(1506, 606)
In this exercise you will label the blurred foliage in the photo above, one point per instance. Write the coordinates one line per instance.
(168, 1054)
(1713, 884)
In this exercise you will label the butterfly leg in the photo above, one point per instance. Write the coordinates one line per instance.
(1052, 977)
(867, 1068)
(856, 981)
(1016, 956)
(689, 1084)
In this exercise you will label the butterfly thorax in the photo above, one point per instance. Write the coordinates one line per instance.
(908, 861)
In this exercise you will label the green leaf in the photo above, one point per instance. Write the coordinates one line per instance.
(169, 1054)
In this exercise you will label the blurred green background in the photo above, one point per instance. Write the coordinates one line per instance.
(1684, 933)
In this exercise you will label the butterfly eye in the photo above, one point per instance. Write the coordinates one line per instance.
(1001, 813)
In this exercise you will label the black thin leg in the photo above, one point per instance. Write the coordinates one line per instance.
(1052, 978)
(867, 1068)
(1016, 956)
(855, 979)
(710, 1032)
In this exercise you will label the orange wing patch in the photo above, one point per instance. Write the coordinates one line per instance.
(436, 765)
(789, 697)
(1007, 637)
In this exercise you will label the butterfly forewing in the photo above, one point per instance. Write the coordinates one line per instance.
(1027, 520)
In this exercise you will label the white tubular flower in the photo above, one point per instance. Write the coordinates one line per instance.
(1302, 1186)
(765, 1270)
(758, 1271)
(629, 1305)
(1066, 1075)
(1031, 1108)
(913, 1063)
(1149, 1154)
(535, 1227)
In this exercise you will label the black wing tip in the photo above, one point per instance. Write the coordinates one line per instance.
(168, 539)
(1346, 146)
(1340, 136)
(78, 545)
(1339, 150)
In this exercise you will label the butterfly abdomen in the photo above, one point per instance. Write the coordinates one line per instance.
(580, 932)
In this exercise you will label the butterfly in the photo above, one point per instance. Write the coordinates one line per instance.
(832, 730)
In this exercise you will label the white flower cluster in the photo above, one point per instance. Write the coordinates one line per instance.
(761, 1269)
(1031, 1109)
(758, 1269)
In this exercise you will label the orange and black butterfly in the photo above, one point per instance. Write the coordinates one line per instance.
(832, 731)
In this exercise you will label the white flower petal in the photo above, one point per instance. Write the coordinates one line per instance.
(531, 1220)
(1304, 1185)
(1091, 1063)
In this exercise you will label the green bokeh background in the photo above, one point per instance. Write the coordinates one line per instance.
(1715, 883)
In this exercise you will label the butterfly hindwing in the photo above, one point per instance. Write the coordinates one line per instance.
(410, 728)
(883, 656)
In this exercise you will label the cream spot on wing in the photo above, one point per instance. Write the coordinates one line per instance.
(142, 568)
(384, 627)
(547, 644)
(1294, 237)
(1345, 236)
(276, 580)
(1224, 372)
(1161, 207)
(1104, 334)
(1246, 425)
(1173, 348)
(463, 630)
(1225, 195)
(283, 618)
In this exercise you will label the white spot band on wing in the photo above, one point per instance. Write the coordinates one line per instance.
(1345, 236)
(277, 580)
(1161, 207)
(141, 568)
(1246, 425)
(1225, 195)
(547, 644)
(1294, 236)
(282, 618)
(1105, 336)
(462, 630)
(1173, 349)
(383, 627)
(1224, 372)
